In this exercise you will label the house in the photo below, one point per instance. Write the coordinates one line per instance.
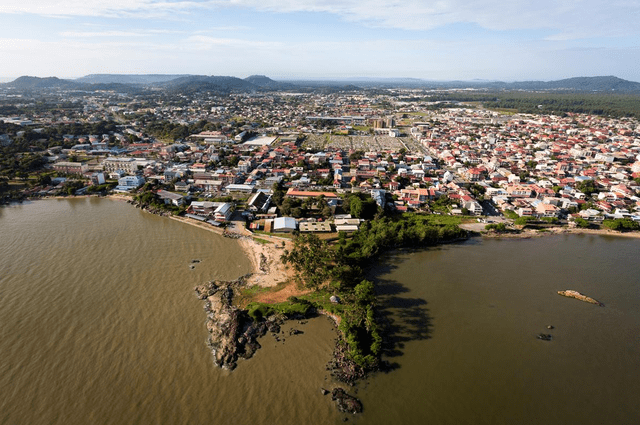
(547, 210)
(128, 183)
(347, 224)
(379, 196)
(308, 227)
(224, 211)
(170, 197)
(243, 188)
(284, 224)
(293, 193)
(259, 202)
(70, 167)
(128, 165)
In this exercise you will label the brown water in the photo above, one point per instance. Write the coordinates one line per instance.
(466, 317)
(99, 324)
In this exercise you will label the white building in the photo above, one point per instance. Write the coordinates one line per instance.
(128, 165)
(128, 183)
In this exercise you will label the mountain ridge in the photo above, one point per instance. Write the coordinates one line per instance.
(255, 83)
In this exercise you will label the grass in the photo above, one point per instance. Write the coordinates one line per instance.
(13, 185)
(505, 111)
(288, 308)
(249, 294)
(262, 241)
(361, 128)
(439, 219)
(280, 235)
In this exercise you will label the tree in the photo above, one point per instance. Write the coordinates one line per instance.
(44, 179)
(364, 294)
(621, 224)
(588, 187)
(311, 259)
(582, 223)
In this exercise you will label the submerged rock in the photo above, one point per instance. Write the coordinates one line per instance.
(345, 402)
(570, 293)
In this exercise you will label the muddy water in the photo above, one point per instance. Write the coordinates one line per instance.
(465, 319)
(100, 325)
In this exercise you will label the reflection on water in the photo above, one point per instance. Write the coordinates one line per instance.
(464, 320)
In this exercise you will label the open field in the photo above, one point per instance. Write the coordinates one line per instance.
(364, 143)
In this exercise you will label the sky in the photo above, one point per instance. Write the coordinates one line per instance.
(512, 40)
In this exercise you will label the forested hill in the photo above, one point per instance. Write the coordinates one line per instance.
(195, 83)
(579, 84)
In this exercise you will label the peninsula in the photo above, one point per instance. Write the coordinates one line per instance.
(315, 182)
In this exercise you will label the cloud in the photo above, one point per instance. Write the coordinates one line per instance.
(104, 8)
(579, 17)
(566, 20)
(201, 42)
(83, 34)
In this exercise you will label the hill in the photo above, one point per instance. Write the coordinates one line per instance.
(26, 83)
(268, 83)
(142, 79)
(198, 83)
(185, 83)
(580, 84)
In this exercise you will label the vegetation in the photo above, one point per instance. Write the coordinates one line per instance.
(588, 187)
(148, 198)
(523, 221)
(609, 104)
(621, 224)
(582, 223)
(288, 308)
(510, 214)
(497, 227)
(339, 269)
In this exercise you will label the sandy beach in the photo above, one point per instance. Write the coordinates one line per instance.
(532, 233)
(267, 269)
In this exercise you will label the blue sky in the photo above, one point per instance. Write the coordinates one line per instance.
(439, 40)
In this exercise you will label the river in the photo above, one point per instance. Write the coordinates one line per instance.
(99, 325)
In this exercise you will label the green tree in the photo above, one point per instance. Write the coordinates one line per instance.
(582, 223)
(311, 258)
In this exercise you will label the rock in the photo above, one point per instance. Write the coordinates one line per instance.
(345, 402)
(334, 299)
(233, 334)
(545, 337)
(550, 327)
(578, 296)
(323, 391)
(295, 332)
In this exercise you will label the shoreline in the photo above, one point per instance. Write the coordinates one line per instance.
(267, 270)
(530, 233)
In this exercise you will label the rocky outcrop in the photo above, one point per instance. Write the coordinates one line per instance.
(342, 368)
(345, 402)
(232, 333)
(578, 296)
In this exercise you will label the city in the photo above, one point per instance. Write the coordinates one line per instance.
(450, 158)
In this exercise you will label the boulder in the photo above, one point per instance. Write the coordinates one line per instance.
(345, 402)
